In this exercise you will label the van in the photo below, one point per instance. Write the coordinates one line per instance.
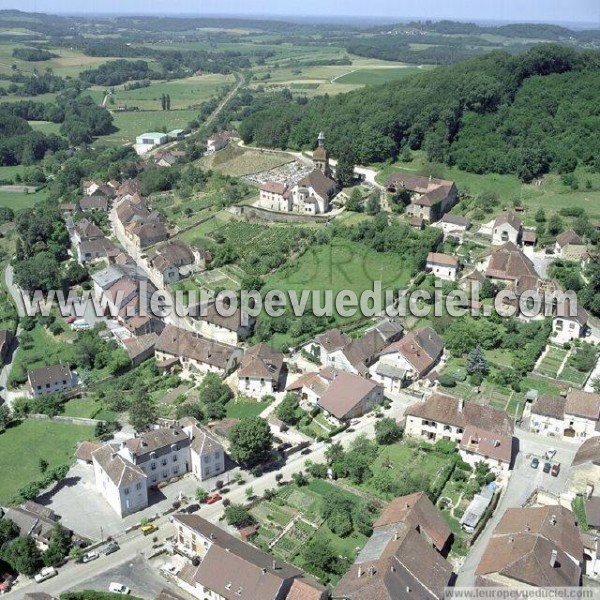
(80, 324)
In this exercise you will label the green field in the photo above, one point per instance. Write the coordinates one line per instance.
(376, 76)
(46, 127)
(132, 124)
(341, 265)
(236, 161)
(184, 93)
(19, 200)
(22, 447)
(245, 409)
(88, 408)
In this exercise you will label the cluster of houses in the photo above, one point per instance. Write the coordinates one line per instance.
(311, 195)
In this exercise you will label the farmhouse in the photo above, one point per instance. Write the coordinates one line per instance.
(325, 344)
(408, 359)
(146, 233)
(453, 225)
(97, 248)
(507, 228)
(430, 198)
(231, 569)
(275, 196)
(506, 264)
(443, 266)
(565, 240)
(217, 142)
(403, 558)
(94, 204)
(534, 547)
(35, 521)
(358, 354)
(50, 380)
(482, 432)
(260, 371)
(196, 354)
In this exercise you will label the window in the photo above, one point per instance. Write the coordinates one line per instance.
(175, 458)
(138, 486)
(126, 491)
(153, 466)
(217, 455)
(207, 458)
(175, 470)
(164, 462)
(165, 474)
(207, 471)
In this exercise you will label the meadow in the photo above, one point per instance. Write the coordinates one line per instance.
(19, 200)
(376, 76)
(23, 445)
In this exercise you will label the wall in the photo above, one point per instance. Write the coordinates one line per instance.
(261, 214)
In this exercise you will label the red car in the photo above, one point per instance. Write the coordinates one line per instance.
(70, 319)
(555, 470)
(213, 498)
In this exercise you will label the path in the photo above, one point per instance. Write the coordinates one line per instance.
(343, 75)
(14, 291)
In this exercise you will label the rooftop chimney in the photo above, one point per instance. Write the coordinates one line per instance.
(371, 571)
(461, 405)
(360, 571)
(274, 565)
(553, 558)
(527, 527)
(553, 520)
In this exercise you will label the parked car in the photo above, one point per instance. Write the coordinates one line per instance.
(70, 319)
(45, 573)
(89, 557)
(535, 462)
(169, 568)
(112, 547)
(555, 470)
(148, 528)
(549, 250)
(213, 498)
(550, 454)
(119, 588)
(547, 467)
(192, 508)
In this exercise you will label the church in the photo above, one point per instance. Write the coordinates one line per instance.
(311, 195)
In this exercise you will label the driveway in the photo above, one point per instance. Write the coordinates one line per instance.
(522, 483)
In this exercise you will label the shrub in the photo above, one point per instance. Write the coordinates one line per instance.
(447, 380)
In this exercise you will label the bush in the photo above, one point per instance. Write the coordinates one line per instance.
(447, 380)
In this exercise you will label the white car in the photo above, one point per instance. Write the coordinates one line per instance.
(45, 573)
(90, 556)
(119, 588)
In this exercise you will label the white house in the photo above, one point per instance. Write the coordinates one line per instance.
(227, 328)
(507, 228)
(569, 322)
(582, 415)
(443, 266)
(260, 371)
(565, 240)
(453, 225)
(547, 416)
(275, 196)
(325, 344)
(50, 380)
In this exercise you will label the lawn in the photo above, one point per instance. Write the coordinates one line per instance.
(376, 76)
(132, 124)
(22, 447)
(88, 408)
(245, 409)
(46, 127)
(19, 200)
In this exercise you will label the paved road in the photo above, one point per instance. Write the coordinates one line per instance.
(523, 481)
(6, 369)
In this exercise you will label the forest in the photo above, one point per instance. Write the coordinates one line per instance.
(526, 114)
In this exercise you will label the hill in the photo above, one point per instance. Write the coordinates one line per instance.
(526, 114)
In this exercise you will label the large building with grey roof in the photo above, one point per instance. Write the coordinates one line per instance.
(125, 473)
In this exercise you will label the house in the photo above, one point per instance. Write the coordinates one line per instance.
(230, 569)
(506, 264)
(443, 266)
(403, 558)
(548, 415)
(84, 451)
(34, 520)
(507, 228)
(129, 188)
(217, 142)
(565, 240)
(50, 380)
(68, 208)
(151, 139)
(195, 353)
(569, 322)
(533, 547)
(147, 233)
(140, 347)
(94, 204)
(124, 474)
(170, 259)
(86, 230)
(431, 198)
(453, 225)
(231, 327)
(483, 433)
(260, 371)
(95, 249)
(275, 196)
(325, 344)
(592, 512)
(106, 278)
(582, 414)
(341, 395)
(139, 325)
(408, 359)
(359, 354)
(585, 468)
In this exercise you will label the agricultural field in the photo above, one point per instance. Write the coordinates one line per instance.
(552, 361)
(185, 93)
(375, 76)
(19, 200)
(236, 161)
(23, 445)
(69, 63)
(132, 124)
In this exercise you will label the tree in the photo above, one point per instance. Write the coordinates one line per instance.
(373, 203)
(238, 516)
(540, 215)
(287, 410)
(249, 492)
(477, 362)
(251, 441)
(355, 202)
(163, 102)
(319, 552)
(214, 394)
(387, 431)
(300, 479)
(168, 102)
(335, 453)
(142, 412)
(8, 531)
(5, 416)
(555, 225)
(344, 170)
(43, 465)
(23, 555)
(59, 546)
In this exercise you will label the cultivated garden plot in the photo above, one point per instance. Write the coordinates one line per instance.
(551, 363)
